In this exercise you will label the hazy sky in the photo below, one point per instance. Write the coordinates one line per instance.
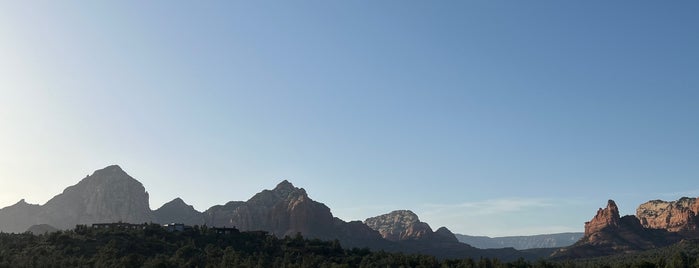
(488, 117)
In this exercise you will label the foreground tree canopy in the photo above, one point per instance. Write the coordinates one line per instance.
(154, 246)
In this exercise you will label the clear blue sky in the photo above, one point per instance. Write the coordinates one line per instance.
(488, 117)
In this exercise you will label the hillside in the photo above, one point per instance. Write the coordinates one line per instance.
(522, 242)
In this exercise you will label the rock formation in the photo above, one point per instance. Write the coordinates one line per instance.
(108, 195)
(18, 217)
(605, 218)
(608, 233)
(399, 225)
(285, 210)
(402, 225)
(111, 195)
(177, 211)
(675, 216)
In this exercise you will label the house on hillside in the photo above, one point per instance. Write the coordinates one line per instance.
(179, 227)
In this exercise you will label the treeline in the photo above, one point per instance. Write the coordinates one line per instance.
(203, 247)
(683, 254)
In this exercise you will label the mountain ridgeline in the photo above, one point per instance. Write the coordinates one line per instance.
(108, 195)
(522, 242)
(111, 195)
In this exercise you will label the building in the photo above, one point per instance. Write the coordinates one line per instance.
(179, 227)
(119, 226)
(225, 230)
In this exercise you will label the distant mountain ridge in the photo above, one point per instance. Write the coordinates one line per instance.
(111, 195)
(522, 242)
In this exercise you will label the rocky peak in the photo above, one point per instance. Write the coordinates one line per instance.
(178, 211)
(607, 217)
(608, 234)
(445, 234)
(674, 216)
(396, 217)
(22, 203)
(284, 185)
(284, 210)
(399, 225)
(108, 195)
(177, 203)
(286, 188)
(283, 191)
(110, 168)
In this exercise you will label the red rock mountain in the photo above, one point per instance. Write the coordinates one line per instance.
(285, 210)
(674, 216)
(605, 218)
(403, 225)
(111, 195)
(608, 233)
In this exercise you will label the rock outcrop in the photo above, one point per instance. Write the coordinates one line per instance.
(401, 225)
(111, 195)
(177, 211)
(108, 195)
(605, 218)
(608, 233)
(285, 210)
(674, 216)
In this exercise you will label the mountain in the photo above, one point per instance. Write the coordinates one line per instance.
(177, 211)
(522, 242)
(18, 217)
(285, 210)
(400, 225)
(108, 195)
(608, 233)
(111, 195)
(675, 216)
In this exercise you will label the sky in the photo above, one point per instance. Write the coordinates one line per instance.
(488, 117)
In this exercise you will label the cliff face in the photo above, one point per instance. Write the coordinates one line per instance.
(605, 218)
(399, 225)
(108, 195)
(111, 195)
(675, 216)
(285, 210)
(402, 225)
(608, 233)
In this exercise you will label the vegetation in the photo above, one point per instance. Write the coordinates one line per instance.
(682, 254)
(204, 247)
